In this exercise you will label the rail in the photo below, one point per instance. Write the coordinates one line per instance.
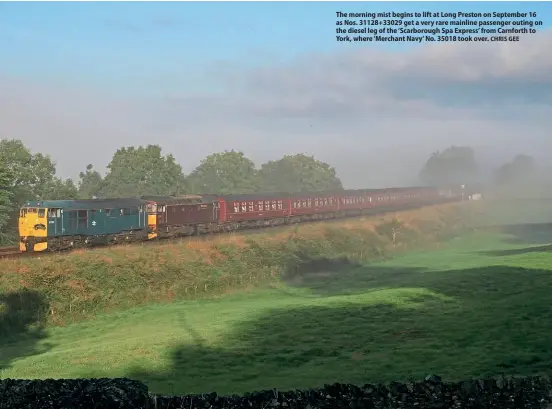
(10, 251)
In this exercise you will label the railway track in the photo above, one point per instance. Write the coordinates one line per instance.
(11, 251)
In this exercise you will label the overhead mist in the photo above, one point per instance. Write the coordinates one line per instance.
(375, 115)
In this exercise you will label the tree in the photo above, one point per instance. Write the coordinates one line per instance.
(33, 175)
(298, 173)
(6, 197)
(520, 168)
(454, 165)
(225, 173)
(90, 183)
(142, 171)
(60, 189)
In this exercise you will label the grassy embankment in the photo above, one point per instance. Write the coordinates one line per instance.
(83, 283)
(475, 305)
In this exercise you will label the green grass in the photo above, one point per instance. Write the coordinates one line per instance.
(479, 305)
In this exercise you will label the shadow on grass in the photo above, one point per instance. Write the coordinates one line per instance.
(516, 252)
(22, 325)
(458, 323)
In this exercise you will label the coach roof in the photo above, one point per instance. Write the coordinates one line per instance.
(116, 203)
(174, 200)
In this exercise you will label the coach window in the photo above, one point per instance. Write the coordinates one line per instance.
(236, 207)
(243, 207)
(250, 207)
(260, 205)
(82, 219)
(309, 203)
(280, 205)
(72, 216)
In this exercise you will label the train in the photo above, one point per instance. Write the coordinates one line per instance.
(57, 225)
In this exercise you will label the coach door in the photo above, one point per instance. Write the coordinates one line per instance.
(55, 226)
(216, 211)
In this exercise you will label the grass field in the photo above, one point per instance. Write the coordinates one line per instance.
(477, 305)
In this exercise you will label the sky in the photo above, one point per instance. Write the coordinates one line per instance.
(79, 80)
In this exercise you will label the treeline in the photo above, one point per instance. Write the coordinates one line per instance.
(459, 165)
(136, 171)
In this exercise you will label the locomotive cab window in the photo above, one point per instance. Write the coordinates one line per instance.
(41, 212)
(127, 211)
(108, 212)
(54, 212)
(23, 212)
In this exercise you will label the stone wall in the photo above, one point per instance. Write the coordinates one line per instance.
(432, 393)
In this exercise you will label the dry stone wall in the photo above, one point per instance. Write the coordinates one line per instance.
(431, 393)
